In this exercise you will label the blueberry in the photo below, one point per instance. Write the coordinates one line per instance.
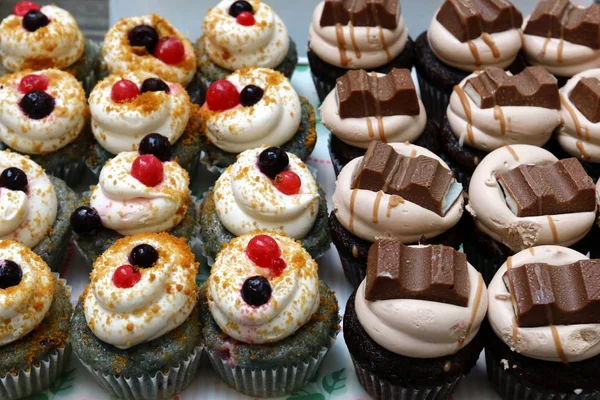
(272, 161)
(143, 256)
(157, 145)
(154, 85)
(34, 20)
(256, 291)
(10, 274)
(240, 6)
(251, 95)
(14, 179)
(37, 104)
(85, 221)
(144, 36)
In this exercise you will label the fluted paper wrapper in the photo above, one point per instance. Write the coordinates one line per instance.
(434, 99)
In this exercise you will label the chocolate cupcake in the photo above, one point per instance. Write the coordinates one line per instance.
(366, 107)
(398, 190)
(544, 323)
(464, 37)
(344, 36)
(413, 331)
(522, 196)
(492, 109)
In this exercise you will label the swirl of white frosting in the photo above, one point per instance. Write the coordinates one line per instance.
(128, 206)
(498, 49)
(487, 129)
(49, 134)
(121, 126)
(356, 47)
(578, 341)
(120, 56)
(247, 200)
(234, 46)
(369, 214)
(272, 121)
(577, 135)
(56, 45)
(493, 217)
(423, 329)
(294, 298)
(24, 306)
(26, 216)
(162, 300)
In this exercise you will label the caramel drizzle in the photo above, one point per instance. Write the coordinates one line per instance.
(532, 251)
(499, 116)
(464, 100)
(581, 149)
(475, 53)
(370, 128)
(353, 41)
(381, 129)
(384, 44)
(573, 115)
(476, 304)
(352, 201)
(558, 344)
(339, 33)
(553, 228)
(515, 330)
(545, 47)
(394, 201)
(413, 153)
(512, 152)
(559, 51)
(376, 207)
(487, 39)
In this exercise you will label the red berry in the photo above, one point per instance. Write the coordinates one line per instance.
(126, 276)
(124, 91)
(245, 18)
(264, 251)
(222, 95)
(148, 169)
(33, 82)
(288, 182)
(170, 50)
(23, 7)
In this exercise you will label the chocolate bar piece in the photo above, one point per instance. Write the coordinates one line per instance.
(555, 294)
(434, 273)
(534, 87)
(469, 19)
(361, 94)
(586, 97)
(562, 19)
(383, 13)
(421, 180)
(559, 188)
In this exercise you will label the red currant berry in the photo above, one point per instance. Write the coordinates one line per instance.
(124, 91)
(148, 169)
(23, 7)
(33, 82)
(170, 50)
(288, 182)
(126, 276)
(222, 95)
(245, 18)
(264, 251)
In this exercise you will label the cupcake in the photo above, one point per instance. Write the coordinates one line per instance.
(491, 109)
(265, 189)
(365, 107)
(522, 196)
(127, 106)
(242, 34)
(35, 208)
(268, 321)
(412, 331)
(544, 323)
(136, 327)
(366, 35)
(45, 115)
(136, 193)
(34, 341)
(398, 190)
(38, 38)
(562, 37)
(251, 108)
(463, 37)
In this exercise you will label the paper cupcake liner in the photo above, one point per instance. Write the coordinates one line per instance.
(56, 260)
(354, 271)
(487, 264)
(434, 99)
(71, 172)
(337, 164)
(210, 165)
(461, 174)
(324, 87)
(159, 385)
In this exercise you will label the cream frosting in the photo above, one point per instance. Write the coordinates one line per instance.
(423, 329)
(578, 342)
(121, 126)
(356, 47)
(56, 45)
(128, 206)
(162, 300)
(247, 200)
(493, 216)
(369, 214)
(234, 46)
(121, 58)
(61, 127)
(294, 298)
(272, 121)
(487, 129)
(26, 217)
